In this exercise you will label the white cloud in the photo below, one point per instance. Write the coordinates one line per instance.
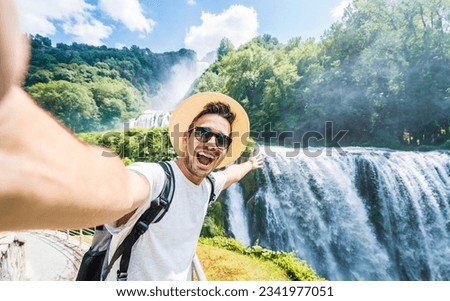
(238, 23)
(129, 12)
(75, 16)
(338, 12)
(88, 31)
(38, 16)
(191, 2)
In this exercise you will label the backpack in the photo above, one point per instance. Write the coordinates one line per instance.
(94, 264)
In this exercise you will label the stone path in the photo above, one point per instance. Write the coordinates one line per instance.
(50, 255)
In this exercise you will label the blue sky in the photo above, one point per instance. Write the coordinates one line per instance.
(163, 25)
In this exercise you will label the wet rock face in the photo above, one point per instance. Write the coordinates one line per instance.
(12, 258)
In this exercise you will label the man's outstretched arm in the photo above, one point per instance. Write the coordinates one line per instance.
(237, 171)
(49, 179)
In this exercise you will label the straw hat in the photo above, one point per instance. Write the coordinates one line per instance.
(192, 106)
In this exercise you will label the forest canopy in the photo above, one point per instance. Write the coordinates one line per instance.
(381, 74)
(96, 88)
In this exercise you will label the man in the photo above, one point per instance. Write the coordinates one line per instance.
(208, 131)
(49, 179)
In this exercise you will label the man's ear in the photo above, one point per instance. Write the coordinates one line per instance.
(14, 48)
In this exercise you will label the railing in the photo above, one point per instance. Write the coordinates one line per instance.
(197, 270)
(84, 238)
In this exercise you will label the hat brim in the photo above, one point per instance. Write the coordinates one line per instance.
(192, 106)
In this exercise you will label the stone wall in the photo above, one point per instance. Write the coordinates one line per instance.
(12, 259)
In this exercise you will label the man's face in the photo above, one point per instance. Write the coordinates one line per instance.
(203, 157)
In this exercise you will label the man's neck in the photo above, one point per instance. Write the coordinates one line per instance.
(193, 178)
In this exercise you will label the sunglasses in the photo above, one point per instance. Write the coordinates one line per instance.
(203, 134)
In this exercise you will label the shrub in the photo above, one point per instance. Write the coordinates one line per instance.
(445, 145)
(136, 144)
(214, 224)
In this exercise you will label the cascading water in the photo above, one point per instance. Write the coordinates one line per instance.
(179, 84)
(370, 214)
(151, 119)
(237, 218)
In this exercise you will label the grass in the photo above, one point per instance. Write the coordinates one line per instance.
(228, 259)
(224, 265)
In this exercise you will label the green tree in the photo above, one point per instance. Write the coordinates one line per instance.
(225, 47)
(210, 81)
(39, 76)
(115, 98)
(262, 77)
(71, 103)
(392, 56)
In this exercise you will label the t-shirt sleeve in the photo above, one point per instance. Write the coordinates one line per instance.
(155, 176)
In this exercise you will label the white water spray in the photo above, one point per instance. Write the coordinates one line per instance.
(371, 214)
(237, 217)
(183, 76)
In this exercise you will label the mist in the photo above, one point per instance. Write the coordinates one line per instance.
(389, 81)
(174, 90)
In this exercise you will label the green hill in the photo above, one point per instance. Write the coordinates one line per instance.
(97, 88)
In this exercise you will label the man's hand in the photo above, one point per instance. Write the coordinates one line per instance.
(256, 161)
(236, 172)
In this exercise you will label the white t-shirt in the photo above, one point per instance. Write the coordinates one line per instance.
(165, 251)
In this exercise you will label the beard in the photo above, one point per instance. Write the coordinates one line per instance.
(202, 162)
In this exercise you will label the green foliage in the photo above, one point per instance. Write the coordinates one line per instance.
(214, 224)
(259, 74)
(210, 81)
(119, 80)
(383, 138)
(445, 145)
(296, 269)
(116, 98)
(393, 57)
(71, 103)
(378, 73)
(225, 47)
(136, 144)
(425, 148)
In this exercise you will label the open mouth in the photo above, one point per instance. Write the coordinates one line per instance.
(204, 158)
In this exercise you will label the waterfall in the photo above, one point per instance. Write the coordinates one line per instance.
(182, 77)
(151, 119)
(368, 214)
(237, 218)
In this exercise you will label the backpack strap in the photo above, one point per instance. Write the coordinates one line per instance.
(158, 208)
(212, 197)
